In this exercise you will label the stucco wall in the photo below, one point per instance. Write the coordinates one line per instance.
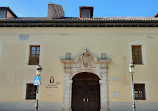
(9, 15)
(55, 42)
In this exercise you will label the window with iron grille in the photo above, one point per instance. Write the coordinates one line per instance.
(34, 55)
(31, 91)
(137, 54)
(2, 13)
(139, 91)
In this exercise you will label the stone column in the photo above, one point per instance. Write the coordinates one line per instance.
(104, 92)
(67, 92)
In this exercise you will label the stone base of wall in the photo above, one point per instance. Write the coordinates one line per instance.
(48, 106)
(140, 106)
(30, 106)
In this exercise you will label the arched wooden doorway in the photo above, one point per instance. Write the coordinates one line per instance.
(85, 92)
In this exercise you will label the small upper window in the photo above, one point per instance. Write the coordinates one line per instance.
(137, 54)
(86, 12)
(139, 91)
(2, 14)
(34, 55)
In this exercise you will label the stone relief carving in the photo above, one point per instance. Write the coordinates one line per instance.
(85, 62)
(85, 59)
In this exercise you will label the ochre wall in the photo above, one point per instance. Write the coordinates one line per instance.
(55, 42)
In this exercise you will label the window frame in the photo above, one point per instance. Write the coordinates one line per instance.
(144, 59)
(33, 87)
(5, 14)
(30, 54)
(136, 61)
(144, 91)
(83, 15)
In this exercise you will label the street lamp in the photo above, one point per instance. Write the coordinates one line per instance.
(38, 74)
(131, 70)
(38, 70)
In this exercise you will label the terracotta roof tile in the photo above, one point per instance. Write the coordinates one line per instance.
(42, 19)
(80, 22)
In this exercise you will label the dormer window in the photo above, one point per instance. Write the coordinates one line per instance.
(7, 13)
(86, 12)
(2, 13)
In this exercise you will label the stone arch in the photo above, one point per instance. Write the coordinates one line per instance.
(86, 75)
(86, 62)
(88, 71)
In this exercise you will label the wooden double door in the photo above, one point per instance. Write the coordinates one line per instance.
(85, 92)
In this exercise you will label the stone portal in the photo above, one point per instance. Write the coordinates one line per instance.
(86, 62)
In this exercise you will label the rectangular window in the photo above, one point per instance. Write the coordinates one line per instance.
(139, 91)
(88, 14)
(137, 54)
(34, 55)
(85, 13)
(2, 13)
(31, 91)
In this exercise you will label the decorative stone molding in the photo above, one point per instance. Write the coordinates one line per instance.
(86, 62)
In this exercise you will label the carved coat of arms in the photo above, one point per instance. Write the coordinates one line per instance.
(85, 59)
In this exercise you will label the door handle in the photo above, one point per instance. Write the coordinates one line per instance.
(87, 100)
(84, 99)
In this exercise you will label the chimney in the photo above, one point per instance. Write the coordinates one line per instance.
(55, 11)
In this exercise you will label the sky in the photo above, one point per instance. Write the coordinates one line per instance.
(102, 8)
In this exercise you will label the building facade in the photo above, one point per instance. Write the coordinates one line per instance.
(85, 61)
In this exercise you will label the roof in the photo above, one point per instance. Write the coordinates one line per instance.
(77, 22)
(156, 15)
(82, 22)
(77, 19)
(86, 6)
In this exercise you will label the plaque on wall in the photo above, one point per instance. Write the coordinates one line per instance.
(52, 83)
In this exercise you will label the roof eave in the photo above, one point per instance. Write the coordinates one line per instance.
(50, 23)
